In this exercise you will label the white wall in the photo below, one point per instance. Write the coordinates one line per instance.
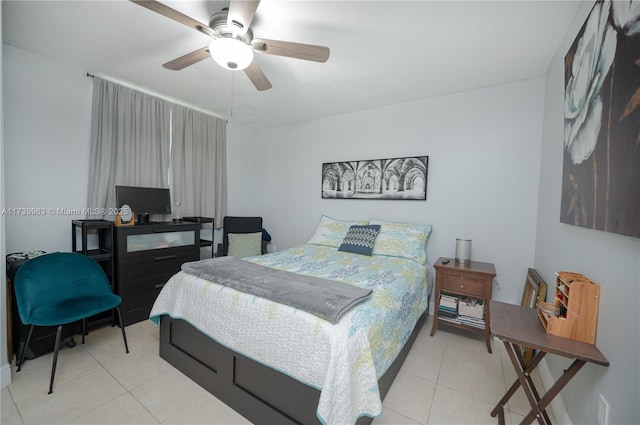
(484, 158)
(608, 259)
(5, 370)
(47, 123)
(483, 167)
(487, 164)
(247, 171)
(45, 155)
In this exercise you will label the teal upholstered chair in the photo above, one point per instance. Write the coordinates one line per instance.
(62, 288)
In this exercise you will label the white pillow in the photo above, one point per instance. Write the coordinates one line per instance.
(331, 232)
(242, 245)
(402, 240)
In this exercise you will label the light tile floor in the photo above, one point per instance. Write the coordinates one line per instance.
(447, 379)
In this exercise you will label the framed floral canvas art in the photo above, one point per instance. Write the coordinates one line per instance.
(601, 164)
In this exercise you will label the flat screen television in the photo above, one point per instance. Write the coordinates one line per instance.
(144, 201)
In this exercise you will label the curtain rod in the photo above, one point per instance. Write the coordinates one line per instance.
(168, 99)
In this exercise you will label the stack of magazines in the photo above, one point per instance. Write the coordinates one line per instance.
(471, 312)
(448, 307)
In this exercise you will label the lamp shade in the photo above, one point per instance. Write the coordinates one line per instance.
(463, 250)
(231, 53)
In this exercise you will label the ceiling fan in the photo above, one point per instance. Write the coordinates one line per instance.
(233, 44)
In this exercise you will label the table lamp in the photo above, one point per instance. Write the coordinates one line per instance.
(463, 250)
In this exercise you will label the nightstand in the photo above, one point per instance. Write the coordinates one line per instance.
(465, 289)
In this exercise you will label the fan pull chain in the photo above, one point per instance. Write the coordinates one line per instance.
(233, 83)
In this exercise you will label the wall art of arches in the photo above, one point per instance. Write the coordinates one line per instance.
(394, 178)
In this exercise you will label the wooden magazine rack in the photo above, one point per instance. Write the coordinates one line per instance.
(576, 300)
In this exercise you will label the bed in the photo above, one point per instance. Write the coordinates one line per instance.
(274, 363)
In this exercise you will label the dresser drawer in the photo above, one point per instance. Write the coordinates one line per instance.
(466, 284)
(147, 285)
(154, 265)
(136, 308)
(139, 295)
(142, 241)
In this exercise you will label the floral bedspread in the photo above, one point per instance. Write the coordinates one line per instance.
(343, 360)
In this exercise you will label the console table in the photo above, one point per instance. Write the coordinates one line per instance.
(515, 326)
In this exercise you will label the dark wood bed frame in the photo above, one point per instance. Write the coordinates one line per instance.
(257, 392)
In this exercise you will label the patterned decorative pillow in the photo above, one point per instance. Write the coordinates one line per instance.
(360, 239)
(242, 245)
(402, 240)
(331, 232)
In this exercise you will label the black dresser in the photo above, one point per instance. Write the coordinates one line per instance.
(147, 255)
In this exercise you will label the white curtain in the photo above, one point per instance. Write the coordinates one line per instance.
(199, 164)
(130, 138)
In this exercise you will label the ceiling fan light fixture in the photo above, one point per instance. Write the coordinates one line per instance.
(231, 53)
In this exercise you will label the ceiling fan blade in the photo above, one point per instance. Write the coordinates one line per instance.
(242, 12)
(175, 15)
(308, 52)
(257, 77)
(188, 59)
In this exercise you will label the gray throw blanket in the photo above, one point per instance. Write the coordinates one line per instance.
(324, 298)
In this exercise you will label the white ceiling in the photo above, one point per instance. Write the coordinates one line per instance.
(382, 52)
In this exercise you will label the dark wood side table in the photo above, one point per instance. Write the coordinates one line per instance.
(515, 326)
(472, 279)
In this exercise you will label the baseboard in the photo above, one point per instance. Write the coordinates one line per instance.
(562, 417)
(5, 375)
